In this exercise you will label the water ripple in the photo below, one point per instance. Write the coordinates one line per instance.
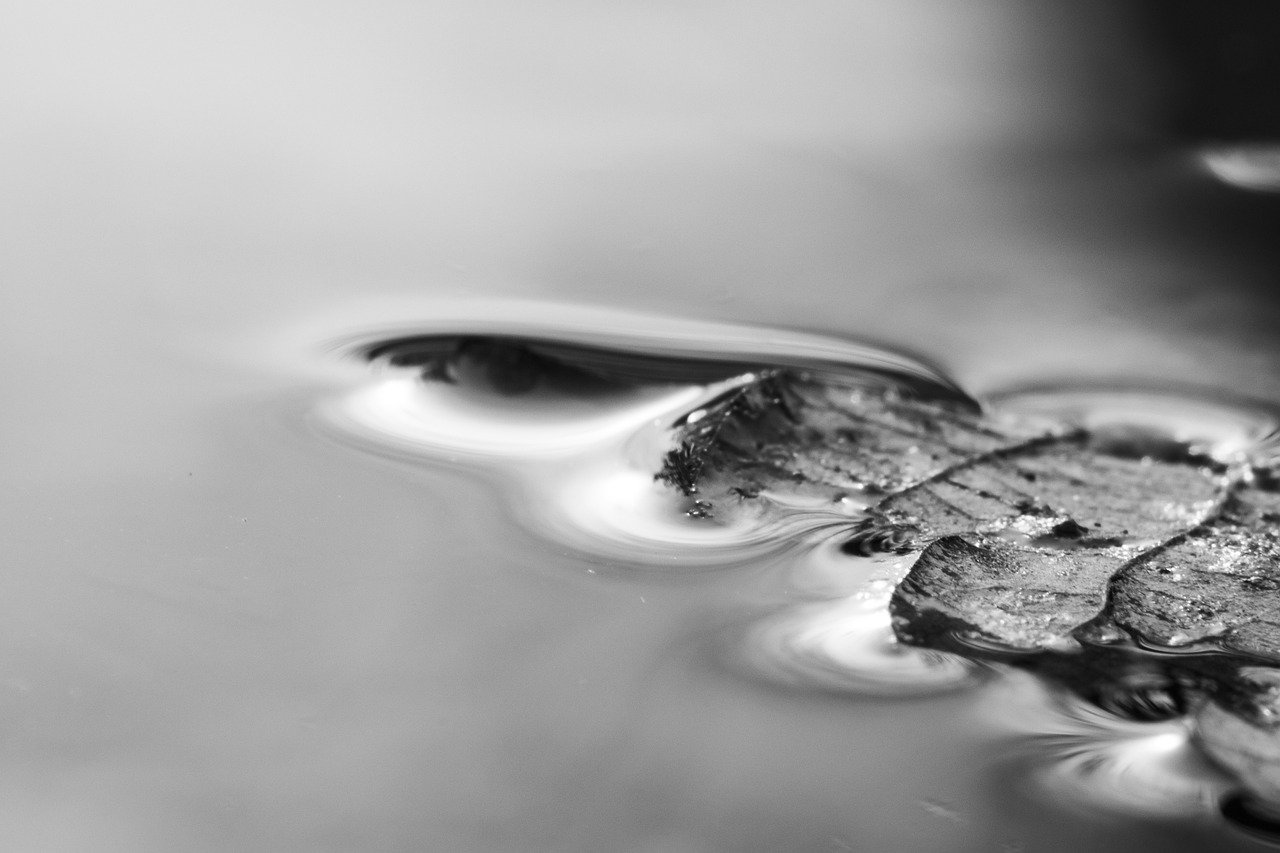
(846, 643)
(1083, 759)
(849, 646)
(575, 465)
(572, 455)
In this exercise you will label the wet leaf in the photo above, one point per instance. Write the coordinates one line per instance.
(1122, 563)
(1022, 544)
(1219, 582)
(787, 432)
(1021, 525)
(1037, 544)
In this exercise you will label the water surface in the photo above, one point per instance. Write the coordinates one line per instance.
(228, 626)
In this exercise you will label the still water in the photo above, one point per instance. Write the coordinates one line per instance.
(254, 597)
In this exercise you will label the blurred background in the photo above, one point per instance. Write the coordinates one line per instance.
(1011, 187)
(217, 629)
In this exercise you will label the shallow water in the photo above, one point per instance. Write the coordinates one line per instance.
(233, 620)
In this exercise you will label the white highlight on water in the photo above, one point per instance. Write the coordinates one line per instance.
(846, 642)
(1250, 167)
(573, 471)
(1087, 760)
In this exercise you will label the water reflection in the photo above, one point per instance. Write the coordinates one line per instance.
(1206, 421)
(1249, 167)
(1256, 818)
(576, 449)
(849, 646)
(571, 470)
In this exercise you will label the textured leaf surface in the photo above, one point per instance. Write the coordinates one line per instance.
(1219, 581)
(787, 432)
(1021, 526)
(1024, 543)
(1129, 567)
(1039, 545)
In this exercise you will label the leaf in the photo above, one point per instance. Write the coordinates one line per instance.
(1023, 543)
(788, 432)
(1038, 545)
(1021, 525)
(1217, 582)
(1085, 555)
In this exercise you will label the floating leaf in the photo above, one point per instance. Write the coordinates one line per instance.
(1041, 545)
(1023, 543)
(1217, 582)
(1131, 566)
(787, 432)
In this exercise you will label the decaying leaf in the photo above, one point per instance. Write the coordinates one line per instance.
(1219, 581)
(1022, 544)
(1038, 544)
(1124, 564)
(783, 431)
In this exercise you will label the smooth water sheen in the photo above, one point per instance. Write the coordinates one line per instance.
(259, 594)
